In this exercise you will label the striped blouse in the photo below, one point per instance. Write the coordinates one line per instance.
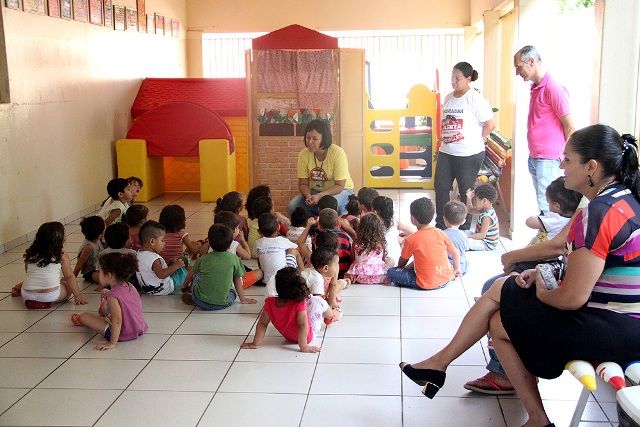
(610, 228)
(493, 233)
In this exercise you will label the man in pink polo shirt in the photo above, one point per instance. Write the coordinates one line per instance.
(549, 124)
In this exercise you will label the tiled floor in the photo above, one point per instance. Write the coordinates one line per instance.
(189, 369)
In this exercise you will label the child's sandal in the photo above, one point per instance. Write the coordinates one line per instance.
(16, 291)
(75, 319)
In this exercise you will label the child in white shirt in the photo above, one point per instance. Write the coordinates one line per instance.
(154, 275)
(274, 252)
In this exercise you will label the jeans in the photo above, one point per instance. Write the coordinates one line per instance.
(494, 364)
(206, 306)
(406, 278)
(342, 198)
(543, 171)
(464, 169)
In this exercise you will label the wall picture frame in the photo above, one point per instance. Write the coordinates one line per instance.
(131, 19)
(108, 13)
(66, 9)
(13, 4)
(96, 15)
(151, 24)
(119, 18)
(34, 6)
(159, 24)
(53, 6)
(142, 16)
(81, 10)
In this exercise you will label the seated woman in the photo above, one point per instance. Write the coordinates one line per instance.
(322, 170)
(592, 315)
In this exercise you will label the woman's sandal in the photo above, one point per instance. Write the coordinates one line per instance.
(431, 380)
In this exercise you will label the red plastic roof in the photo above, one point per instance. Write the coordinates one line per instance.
(174, 129)
(295, 37)
(227, 97)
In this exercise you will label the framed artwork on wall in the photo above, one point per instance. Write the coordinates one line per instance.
(108, 13)
(12, 4)
(66, 9)
(54, 8)
(151, 24)
(159, 24)
(118, 17)
(175, 28)
(95, 12)
(167, 26)
(132, 19)
(142, 16)
(81, 10)
(34, 6)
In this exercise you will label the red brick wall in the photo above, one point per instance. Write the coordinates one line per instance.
(275, 162)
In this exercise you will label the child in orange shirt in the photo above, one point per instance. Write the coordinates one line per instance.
(429, 247)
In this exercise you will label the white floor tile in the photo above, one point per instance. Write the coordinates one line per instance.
(278, 349)
(267, 410)
(385, 291)
(164, 304)
(57, 321)
(25, 372)
(558, 411)
(93, 303)
(456, 307)
(610, 410)
(370, 306)
(18, 321)
(227, 324)
(353, 411)
(5, 337)
(200, 347)
(365, 326)
(99, 374)
(237, 308)
(416, 350)
(383, 380)
(453, 290)
(263, 377)
(9, 396)
(63, 407)
(164, 323)
(360, 350)
(183, 375)
(9, 257)
(54, 345)
(144, 347)
(566, 387)
(429, 327)
(452, 412)
(171, 409)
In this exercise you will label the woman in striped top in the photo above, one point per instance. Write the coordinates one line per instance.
(594, 313)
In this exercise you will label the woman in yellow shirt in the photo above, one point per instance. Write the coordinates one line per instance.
(323, 170)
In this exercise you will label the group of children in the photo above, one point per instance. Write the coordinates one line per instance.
(304, 261)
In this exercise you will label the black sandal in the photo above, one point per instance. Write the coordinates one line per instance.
(431, 380)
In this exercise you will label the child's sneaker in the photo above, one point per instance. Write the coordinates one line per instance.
(36, 305)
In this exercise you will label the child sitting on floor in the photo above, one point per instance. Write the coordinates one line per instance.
(353, 211)
(328, 220)
(455, 214)
(121, 318)
(174, 220)
(116, 236)
(299, 218)
(275, 252)
(562, 205)
(119, 191)
(45, 260)
(365, 199)
(232, 202)
(331, 202)
(296, 314)
(254, 210)
(92, 228)
(136, 216)
(429, 247)
(383, 206)
(370, 262)
(487, 233)
(154, 275)
(215, 280)
(136, 185)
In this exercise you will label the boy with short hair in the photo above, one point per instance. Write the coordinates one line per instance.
(208, 284)
(117, 238)
(429, 247)
(154, 275)
(487, 233)
(455, 214)
(274, 251)
(365, 199)
(328, 220)
(92, 228)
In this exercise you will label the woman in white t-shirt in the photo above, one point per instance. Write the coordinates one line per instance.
(467, 121)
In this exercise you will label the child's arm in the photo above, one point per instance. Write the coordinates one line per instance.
(402, 262)
(82, 260)
(112, 217)
(116, 324)
(70, 280)
(455, 256)
(186, 284)
(302, 240)
(406, 229)
(346, 227)
(204, 248)
(484, 227)
(163, 273)
(193, 247)
(243, 250)
(303, 330)
(237, 282)
(535, 223)
(261, 330)
(470, 208)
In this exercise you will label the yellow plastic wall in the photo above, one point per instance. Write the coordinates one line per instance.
(240, 130)
(422, 102)
(217, 169)
(133, 161)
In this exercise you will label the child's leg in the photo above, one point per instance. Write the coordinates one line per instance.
(476, 245)
(16, 290)
(65, 292)
(91, 321)
(251, 277)
(317, 311)
(405, 277)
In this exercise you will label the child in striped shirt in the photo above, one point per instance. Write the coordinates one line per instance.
(480, 201)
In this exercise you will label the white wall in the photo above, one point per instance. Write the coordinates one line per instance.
(71, 85)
